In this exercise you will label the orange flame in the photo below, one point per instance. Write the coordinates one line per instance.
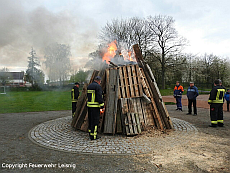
(111, 52)
(130, 56)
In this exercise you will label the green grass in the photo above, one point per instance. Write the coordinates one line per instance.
(204, 91)
(169, 103)
(169, 92)
(166, 92)
(34, 101)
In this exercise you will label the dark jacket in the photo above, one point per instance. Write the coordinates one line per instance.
(216, 95)
(192, 93)
(178, 90)
(94, 95)
(75, 94)
(226, 96)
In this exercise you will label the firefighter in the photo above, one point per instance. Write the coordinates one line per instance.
(178, 90)
(94, 104)
(216, 100)
(74, 96)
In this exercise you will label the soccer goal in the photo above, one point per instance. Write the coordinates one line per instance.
(2, 90)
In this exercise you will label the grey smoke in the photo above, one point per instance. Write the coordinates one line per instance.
(21, 29)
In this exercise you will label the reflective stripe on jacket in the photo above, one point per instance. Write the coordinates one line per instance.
(75, 94)
(178, 90)
(94, 95)
(217, 95)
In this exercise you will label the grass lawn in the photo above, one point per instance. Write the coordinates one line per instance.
(33, 101)
(166, 92)
(169, 92)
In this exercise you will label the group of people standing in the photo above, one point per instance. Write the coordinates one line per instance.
(216, 101)
(192, 93)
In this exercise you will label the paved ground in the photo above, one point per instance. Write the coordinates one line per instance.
(16, 147)
(57, 134)
(206, 151)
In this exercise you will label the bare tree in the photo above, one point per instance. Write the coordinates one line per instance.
(206, 62)
(126, 33)
(116, 30)
(206, 68)
(219, 68)
(166, 43)
(57, 62)
(139, 34)
(161, 47)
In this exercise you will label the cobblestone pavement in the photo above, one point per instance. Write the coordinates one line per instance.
(57, 134)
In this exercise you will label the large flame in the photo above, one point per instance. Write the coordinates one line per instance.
(111, 52)
(127, 55)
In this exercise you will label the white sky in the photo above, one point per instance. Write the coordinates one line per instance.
(26, 23)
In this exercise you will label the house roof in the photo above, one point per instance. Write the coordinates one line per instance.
(13, 75)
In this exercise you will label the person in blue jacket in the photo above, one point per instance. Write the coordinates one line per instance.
(226, 96)
(178, 90)
(192, 93)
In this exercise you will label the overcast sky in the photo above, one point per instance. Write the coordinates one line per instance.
(37, 23)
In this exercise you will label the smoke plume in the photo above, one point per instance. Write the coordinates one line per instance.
(22, 28)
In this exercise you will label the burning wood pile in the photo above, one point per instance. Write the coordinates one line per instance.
(132, 100)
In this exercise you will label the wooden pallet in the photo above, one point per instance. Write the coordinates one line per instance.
(132, 124)
(131, 108)
(121, 82)
(161, 116)
(129, 119)
(129, 82)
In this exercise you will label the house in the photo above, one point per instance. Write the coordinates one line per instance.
(14, 79)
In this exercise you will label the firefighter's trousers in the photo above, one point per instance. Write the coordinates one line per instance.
(74, 107)
(216, 114)
(93, 117)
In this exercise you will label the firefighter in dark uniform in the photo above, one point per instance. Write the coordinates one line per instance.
(216, 100)
(74, 97)
(94, 104)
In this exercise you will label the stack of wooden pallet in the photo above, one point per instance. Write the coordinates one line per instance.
(132, 100)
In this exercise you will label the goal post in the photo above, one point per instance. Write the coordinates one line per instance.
(2, 90)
